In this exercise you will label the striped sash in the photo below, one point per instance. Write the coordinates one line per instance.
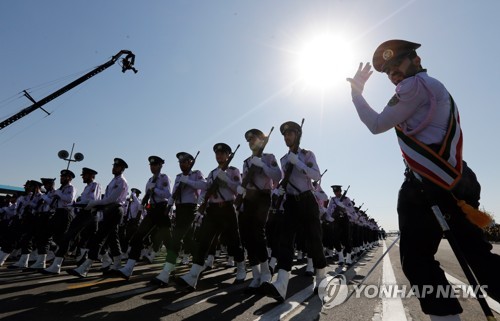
(444, 168)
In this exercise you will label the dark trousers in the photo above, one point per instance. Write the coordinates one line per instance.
(252, 223)
(82, 221)
(157, 224)
(219, 220)
(342, 234)
(420, 238)
(107, 232)
(327, 231)
(57, 226)
(301, 213)
(184, 216)
(273, 224)
(127, 230)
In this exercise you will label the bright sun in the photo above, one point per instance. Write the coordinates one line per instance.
(324, 62)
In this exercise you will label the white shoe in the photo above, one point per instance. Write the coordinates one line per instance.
(300, 255)
(185, 259)
(126, 271)
(191, 278)
(254, 285)
(40, 262)
(348, 260)
(22, 263)
(162, 278)
(209, 263)
(230, 261)
(241, 272)
(50, 256)
(150, 257)
(82, 270)
(320, 276)
(55, 267)
(33, 256)
(280, 285)
(265, 272)
(106, 260)
(3, 257)
(309, 267)
(82, 253)
(341, 258)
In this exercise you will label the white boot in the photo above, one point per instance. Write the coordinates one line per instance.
(83, 252)
(451, 317)
(348, 260)
(150, 257)
(185, 259)
(3, 257)
(272, 265)
(50, 256)
(55, 267)
(22, 263)
(40, 262)
(126, 271)
(162, 278)
(33, 256)
(117, 263)
(191, 278)
(106, 261)
(82, 270)
(230, 262)
(265, 272)
(241, 272)
(209, 263)
(320, 276)
(341, 258)
(300, 255)
(280, 286)
(255, 279)
(309, 267)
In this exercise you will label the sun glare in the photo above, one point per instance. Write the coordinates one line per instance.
(324, 62)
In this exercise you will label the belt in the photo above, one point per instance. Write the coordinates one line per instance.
(185, 204)
(221, 204)
(300, 196)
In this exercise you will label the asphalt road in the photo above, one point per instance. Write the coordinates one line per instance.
(33, 296)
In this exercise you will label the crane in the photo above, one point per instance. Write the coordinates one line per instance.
(127, 64)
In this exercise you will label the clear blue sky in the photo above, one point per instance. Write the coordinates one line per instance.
(210, 70)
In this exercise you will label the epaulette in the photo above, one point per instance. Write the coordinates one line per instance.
(232, 167)
(304, 151)
(196, 171)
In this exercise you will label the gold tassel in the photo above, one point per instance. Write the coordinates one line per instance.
(477, 217)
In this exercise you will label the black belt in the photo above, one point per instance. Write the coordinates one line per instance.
(185, 204)
(301, 196)
(221, 204)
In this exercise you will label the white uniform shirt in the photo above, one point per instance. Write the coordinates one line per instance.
(266, 177)
(161, 189)
(191, 190)
(301, 181)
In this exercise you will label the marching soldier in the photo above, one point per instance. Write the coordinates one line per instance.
(338, 209)
(156, 220)
(188, 186)
(85, 220)
(261, 173)
(300, 211)
(220, 218)
(132, 219)
(112, 205)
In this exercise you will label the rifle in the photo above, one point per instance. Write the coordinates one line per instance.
(179, 188)
(251, 172)
(284, 182)
(340, 211)
(149, 192)
(215, 184)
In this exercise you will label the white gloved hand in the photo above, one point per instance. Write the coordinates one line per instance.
(223, 176)
(198, 218)
(170, 201)
(184, 179)
(360, 78)
(257, 161)
(293, 158)
(241, 190)
(328, 218)
(281, 191)
(91, 204)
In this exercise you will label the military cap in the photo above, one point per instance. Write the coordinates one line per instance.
(27, 182)
(290, 125)
(135, 190)
(182, 156)
(221, 147)
(336, 187)
(47, 180)
(35, 183)
(86, 170)
(254, 132)
(155, 160)
(120, 162)
(390, 51)
(67, 172)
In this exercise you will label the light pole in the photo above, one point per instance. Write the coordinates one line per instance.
(63, 154)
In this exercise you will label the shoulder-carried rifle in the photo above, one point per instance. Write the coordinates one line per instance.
(340, 211)
(249, 177)
(286, 178)
(212, 189)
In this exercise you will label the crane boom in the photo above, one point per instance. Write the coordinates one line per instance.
(127, 64)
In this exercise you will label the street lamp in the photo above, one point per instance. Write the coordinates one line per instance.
(63, 154)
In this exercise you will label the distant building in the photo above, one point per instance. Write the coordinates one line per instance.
(6, 189)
